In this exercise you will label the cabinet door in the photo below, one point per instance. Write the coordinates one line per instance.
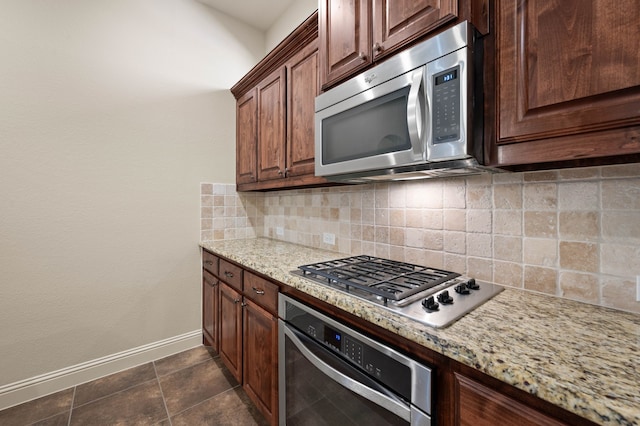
(261, 359)
(271, 126)
(210, 319)
(478, 405)
(568, 82)
(345, 37)
(246, 137)
(230, 342)
(302, 88)
(396, 22)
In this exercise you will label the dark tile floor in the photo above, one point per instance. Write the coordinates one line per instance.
(189, 388)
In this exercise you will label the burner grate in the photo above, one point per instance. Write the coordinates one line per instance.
(389, 279)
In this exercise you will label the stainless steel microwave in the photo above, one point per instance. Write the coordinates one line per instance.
(418, 114)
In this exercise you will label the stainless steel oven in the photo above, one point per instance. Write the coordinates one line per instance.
(330, 374)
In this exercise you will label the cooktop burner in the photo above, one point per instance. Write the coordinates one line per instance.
(428, 295)
(388, 279)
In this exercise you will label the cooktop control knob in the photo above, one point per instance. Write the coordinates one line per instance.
(444, 298)
(461, 289)
(430, 304)
(472, 284)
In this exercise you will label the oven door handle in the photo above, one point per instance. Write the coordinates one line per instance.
(321, 358)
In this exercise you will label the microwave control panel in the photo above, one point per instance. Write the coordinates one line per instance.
(446, 106)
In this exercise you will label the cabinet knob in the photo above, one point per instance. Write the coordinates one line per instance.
(362, 56)
(236, 300)
(208, 262)
(243, 305)
(258, 291)
(377, 48)
(228, 274)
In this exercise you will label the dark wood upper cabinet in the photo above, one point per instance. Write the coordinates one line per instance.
(396, 22)
(246, 137)
(345, 38)
(278, 95)
(568, 80)
(303, 86)
(271, 126)
(356, 33)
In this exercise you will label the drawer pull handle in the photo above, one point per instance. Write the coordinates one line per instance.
(258, 291)
(208, 262)
(228, 274)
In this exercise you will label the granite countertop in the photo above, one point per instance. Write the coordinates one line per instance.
(583, 358)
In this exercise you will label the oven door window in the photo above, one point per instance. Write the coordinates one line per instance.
(320, 388)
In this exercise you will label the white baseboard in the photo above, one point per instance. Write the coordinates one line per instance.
(48, 383)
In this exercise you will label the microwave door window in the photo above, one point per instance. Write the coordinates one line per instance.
(373, 128)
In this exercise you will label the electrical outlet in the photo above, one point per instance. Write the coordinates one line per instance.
(329, 238)
(279, 231)
(638, 288)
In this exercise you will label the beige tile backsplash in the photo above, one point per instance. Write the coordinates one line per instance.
(572, 233)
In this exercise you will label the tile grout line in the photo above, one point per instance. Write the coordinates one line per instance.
(164, 402)
(73, 400)
(209, 399)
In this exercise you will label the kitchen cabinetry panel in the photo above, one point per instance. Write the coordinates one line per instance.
(303, 86)
(239, 320)
(261, 359)
(355, 34)
(210, 319)
(271, 126)
(210, 262)
(568, 84)
(282, 87)
(246, 137)
(345, 35)
(478, 405)
(231, 274)
(397, 21)
(230, 343)
(261, 291)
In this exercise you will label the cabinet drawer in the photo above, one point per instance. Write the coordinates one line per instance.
(210, 262)
(261, 291)
(231, 274)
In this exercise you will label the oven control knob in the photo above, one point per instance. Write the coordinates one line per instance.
(472, 284)
(462, 289)
(444, 298)
(430, 304)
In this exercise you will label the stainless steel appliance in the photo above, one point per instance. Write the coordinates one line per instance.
(431, 296)
(329, 374)
(418, 114)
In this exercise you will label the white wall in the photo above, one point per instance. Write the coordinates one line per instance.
(111, 114)
(290, 19)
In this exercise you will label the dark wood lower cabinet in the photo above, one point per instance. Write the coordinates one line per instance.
(231, 330)
(478, 405)
(260, 364)
(240, 321)
(210, 317)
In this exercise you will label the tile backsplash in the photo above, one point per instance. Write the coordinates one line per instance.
(573, 233)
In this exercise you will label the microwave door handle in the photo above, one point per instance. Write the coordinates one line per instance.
(416, 110)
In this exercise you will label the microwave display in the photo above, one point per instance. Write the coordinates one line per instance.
(446, 106)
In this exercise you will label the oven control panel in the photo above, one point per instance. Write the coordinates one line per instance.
(354, 347)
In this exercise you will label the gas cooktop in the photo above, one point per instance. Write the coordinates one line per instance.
(431, 296)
